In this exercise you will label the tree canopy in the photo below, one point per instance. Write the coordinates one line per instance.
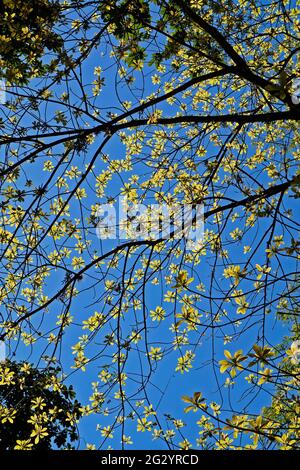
(37, 412)
(182, 102)
(26, 36)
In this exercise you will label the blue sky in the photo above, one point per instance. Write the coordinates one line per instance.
(167, 386)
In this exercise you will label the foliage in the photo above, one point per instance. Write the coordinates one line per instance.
(37, 411)
(26, 33)
(178, 103)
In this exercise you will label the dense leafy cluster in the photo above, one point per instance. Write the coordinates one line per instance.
(26, 35)
(176, 103)
(37, 411)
